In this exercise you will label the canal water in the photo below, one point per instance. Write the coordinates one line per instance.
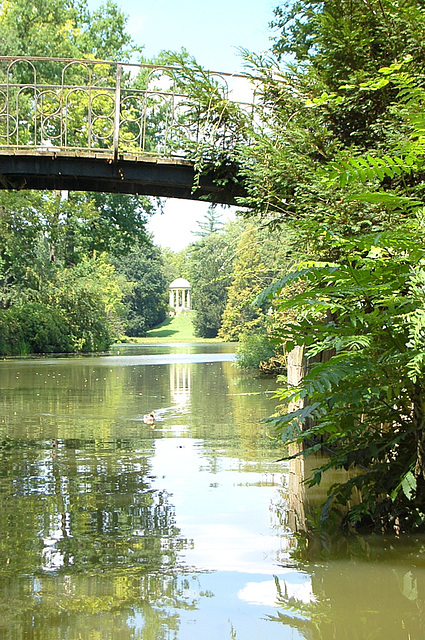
(184, 529)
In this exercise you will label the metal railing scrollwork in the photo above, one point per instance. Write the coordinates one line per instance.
(112, 109)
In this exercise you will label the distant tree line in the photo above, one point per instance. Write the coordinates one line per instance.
(227, 267)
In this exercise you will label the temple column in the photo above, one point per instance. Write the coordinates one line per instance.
(180, 295)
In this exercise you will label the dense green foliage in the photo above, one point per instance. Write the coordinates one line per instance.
(239, 315)
(147, 301)
(366, 401)
(340, 42)
(359, 300)
(57, 249)
(253, 350)
(210, 264)
(33, 328)
(227, 267)
(64, 28)
(73, 308)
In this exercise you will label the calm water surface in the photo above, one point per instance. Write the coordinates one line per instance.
(114, 529)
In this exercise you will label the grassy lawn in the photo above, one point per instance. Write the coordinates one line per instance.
(176, 329)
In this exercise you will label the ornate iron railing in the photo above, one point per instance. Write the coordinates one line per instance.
(109, 108)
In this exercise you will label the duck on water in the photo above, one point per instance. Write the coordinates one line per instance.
(149, 418)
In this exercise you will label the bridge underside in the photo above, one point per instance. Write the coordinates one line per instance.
(168, 178)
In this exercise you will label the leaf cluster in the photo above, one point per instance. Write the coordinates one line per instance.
(364, 400)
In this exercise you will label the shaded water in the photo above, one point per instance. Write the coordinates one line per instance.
(111, 528)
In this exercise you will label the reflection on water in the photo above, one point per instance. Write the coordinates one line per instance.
(111, 528)
(180, 384)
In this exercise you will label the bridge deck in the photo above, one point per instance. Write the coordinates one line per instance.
(88, 171)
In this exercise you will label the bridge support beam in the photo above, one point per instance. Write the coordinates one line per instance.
(168, 178)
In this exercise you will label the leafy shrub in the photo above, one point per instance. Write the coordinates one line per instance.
(89, 297)
(253, 350)
(79, 323)
(135, 325)
(33, 328)
(87, 319)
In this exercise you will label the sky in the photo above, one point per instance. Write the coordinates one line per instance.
(213, 32)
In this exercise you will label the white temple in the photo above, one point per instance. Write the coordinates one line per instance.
(180, 295)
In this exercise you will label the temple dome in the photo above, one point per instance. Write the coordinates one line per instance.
(180, 283)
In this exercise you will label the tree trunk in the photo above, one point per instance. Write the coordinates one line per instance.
(419, 426)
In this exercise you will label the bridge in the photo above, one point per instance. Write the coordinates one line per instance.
(90, 125)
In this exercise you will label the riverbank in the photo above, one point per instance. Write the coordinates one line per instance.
(175, 329)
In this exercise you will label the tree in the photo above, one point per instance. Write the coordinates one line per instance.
(365, 402)
(340, 43)
(64, 28)
(210, 263)
(210, 223)
(279, 250)
(116, 222)
(84, 222)
(51, 244)
(103, 34)
(365, 308)
(175, 264)
(43, 226)
(147, 301)
(21, 236)
(90, 297)
(77, 308)
(239, 315)
(339, 38)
